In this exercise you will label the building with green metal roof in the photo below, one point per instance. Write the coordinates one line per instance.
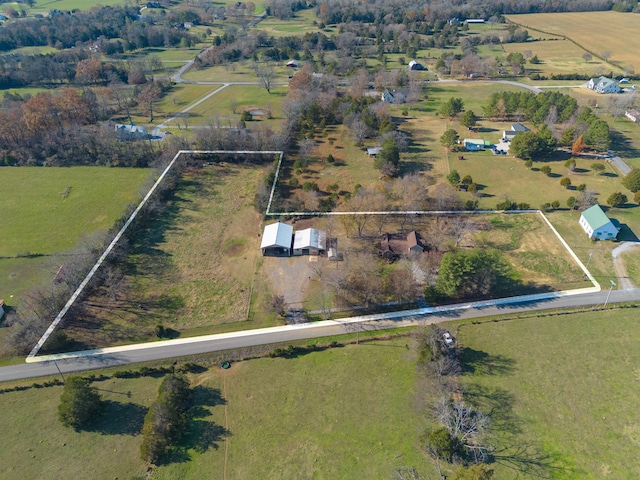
(597, 225)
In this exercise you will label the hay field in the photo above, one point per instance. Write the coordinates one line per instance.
(595, 31)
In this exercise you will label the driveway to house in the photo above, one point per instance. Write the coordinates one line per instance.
(618, 264)
(289, 277)
(620, 164)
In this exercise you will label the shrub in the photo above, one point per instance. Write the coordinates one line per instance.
(565, 182)
(546, 170)
(79, 403)
(617, 199)
(330, 159)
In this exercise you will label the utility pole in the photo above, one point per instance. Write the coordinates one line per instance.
(613, 284)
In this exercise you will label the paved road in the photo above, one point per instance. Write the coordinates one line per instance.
(191, 346)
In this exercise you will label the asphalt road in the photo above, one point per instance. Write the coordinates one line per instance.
(198, 345)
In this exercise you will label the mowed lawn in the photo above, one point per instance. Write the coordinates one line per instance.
(342, 413)
(38, 218)
(348, 412)
(562, 391)
(597, 32)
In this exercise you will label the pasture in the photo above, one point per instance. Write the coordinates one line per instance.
(596, 32)
(559, 56)
(192, 268)
(44, 6)
(363, 420)
(561, 392)
(39, 220)
(219, 109)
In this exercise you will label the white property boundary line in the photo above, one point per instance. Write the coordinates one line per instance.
(115, 240)
(423, 311)
(315, 325)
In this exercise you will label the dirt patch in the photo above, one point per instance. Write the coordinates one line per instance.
(236, 249)
(289, 277)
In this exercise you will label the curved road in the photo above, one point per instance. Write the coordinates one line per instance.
(108, 357)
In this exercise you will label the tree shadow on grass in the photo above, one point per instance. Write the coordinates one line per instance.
(202, 434)
(119, 419)
(476, 362)
(530, 461)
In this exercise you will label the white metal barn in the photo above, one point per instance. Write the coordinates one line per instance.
(309, 242)
(277, 239)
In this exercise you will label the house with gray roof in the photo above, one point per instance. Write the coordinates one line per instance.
(603, 85)
(597, 225)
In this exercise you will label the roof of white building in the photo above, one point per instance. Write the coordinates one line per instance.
(310, 238)
(277, 235)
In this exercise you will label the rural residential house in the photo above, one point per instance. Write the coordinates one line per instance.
(516, 128)
(277, 240)
(309, 242)
(603, 85)
(395, 96)
(395, 246)
(130, 132)
(597, 225)
(633, 115)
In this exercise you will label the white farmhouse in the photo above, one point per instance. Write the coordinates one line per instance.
(603, 85)
(597, 225)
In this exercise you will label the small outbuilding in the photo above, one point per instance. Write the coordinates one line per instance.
(373, 151)
(277, 240)
(597, 225)
(1, 309)
(293, 64)
(413, 65)
(473, 144)
(413, 243)
(633, 115)
(309, 242)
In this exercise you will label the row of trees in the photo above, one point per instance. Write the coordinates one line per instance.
(64, 128)
(66, 30)
(168, 418)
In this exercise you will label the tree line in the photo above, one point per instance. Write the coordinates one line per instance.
(67, 29)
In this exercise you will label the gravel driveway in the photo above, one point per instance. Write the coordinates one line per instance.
(289, 277)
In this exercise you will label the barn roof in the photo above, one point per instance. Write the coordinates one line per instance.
(595, 217)
(277, 235)
(310, 238)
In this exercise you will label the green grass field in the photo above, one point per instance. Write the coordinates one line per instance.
(595, 31)
(220, 107)
(350, 412)
(561, 390)
(38, 220)
(44, 6)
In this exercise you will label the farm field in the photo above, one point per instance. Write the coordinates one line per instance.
(560, 389)
(560, 56)
(364, 419)
(220, 106)
(596, 32)
(191, 269)
(38, 220)
(43, 6)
